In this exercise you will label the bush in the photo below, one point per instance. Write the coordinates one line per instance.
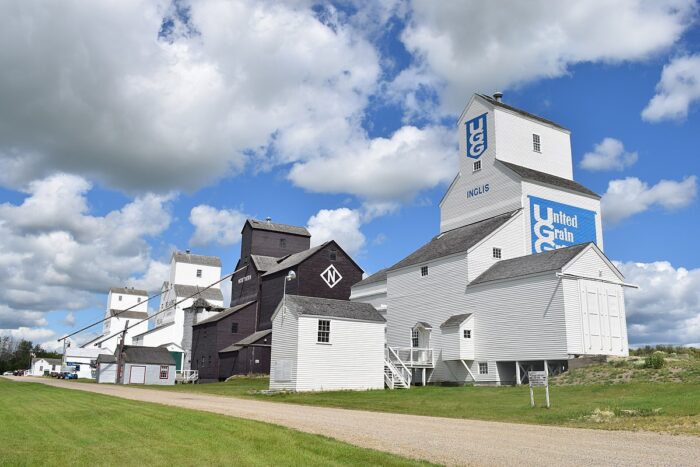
(655, 360)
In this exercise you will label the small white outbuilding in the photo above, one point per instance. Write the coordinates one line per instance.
(320, 344)
(106, 369)
(147, 365)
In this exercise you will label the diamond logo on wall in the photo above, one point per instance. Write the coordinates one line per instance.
(331, 276)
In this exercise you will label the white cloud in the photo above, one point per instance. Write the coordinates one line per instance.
(55, 255)
(666, 307)
(342, 225)
(221, 226)
(627, 197)
(609, 154)
(69, 320)
(41, 336)
(678, 89)
(465, 47)
(384, 169)
(111, 99)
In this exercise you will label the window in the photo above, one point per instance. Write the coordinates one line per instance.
(283, 243)
(467, 333)
(536, 146)
(234, 328)
(120, 298)
(424, 271)
(333, 255)
(164, 371)
(483, 368)
(209, 360)
(324, 331)
(199, 273)
(414, 338)
(202, 360)
(497, 253)
(477, 166)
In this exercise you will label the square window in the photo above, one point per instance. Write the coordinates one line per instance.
(324, 331)
(477, 166)
(483, 368)
(536, 145)
(199, 273)
(164, 371)
(283, 243)
(333, 255)
(234, 328)
(497, 253)
(424, 271)
(467, 333)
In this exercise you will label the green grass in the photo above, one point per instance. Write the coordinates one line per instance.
(43, 425)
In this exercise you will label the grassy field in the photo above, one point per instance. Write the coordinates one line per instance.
(42, 425)
(642, 399)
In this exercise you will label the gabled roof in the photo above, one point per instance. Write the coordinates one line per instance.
(379, 276)
(294, 259)
(496, 103)
(182, 291)
(225, 313)
(92, 341)
(197, 259)
(454, 241)
(263, 263)
(245, 342)
(548, 179)
(128, 314)
(455, 320)
(50, 361)
(552, 260)
(128, 291)
(422, 324)
(273, 227)
(106, 358)
(152, 355)
(314, 306)
(157, 328)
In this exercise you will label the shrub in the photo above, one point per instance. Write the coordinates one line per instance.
(655, 360)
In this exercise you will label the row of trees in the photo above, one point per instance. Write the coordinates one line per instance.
(16, 354)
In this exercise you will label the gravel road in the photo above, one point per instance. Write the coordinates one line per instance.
(441, 440)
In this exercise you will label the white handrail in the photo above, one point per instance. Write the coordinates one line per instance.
(407, 375)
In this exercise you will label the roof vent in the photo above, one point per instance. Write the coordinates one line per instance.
(268, 219)
(498, 96)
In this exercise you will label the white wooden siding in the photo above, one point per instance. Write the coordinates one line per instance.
(590, 264)
(285, 330)
(510, 238)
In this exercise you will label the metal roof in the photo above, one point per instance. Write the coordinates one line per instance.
(454, 241)
(128, 291)
(128, 314)
(379, 276)
(157, 328)
(225, 313)
(50, 361)
(106, 358)
(264, 263)
(551, 260)
(548, 179)
(455, 320)
(273, 227)
(524, 113)
(197, 259)
(245, 342)
(142, 354)
(182, 291)
(294, 259)
(314, 306)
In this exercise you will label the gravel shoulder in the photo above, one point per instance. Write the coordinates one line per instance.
(441, 440)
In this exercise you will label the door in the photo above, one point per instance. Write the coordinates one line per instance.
(137, 375)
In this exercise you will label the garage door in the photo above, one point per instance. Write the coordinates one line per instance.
(137, 375)
(602, 318)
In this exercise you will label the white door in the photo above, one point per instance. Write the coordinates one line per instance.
(137, 375)
(601, 318)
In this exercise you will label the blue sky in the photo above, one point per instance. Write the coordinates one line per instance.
(162, 126)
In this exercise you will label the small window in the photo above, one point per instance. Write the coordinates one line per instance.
(483, 368)
(324, 331)
(467, 333)
(234, 328)
(424, 271)
(164, 371)
(283, 243)
(496, 253)
(477, 166)
(138, 299)
(414, 338)
(333, 255)
(199, 273)
(120, 298)
(202, 360)
(209, 360)
(536, 145)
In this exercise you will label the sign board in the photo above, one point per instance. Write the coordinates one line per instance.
(557, 225)
(537, 378)
(476, 135)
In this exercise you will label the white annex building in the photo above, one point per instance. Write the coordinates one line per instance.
(125, 306)
(516, 278)
(190, 274)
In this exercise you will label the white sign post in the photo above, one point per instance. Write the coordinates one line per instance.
(538, 379)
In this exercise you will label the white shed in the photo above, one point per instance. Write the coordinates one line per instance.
(106, 369)
(147, 365)
(45, 366)
(322, 344)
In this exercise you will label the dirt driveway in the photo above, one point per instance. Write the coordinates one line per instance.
(441, 440)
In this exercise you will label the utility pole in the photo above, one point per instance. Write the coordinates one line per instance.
(120, 372)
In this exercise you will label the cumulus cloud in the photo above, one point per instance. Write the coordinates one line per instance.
(221, 226)
(384, 169)
(69, 320)
(678, 89)
(143, 105)
(627, 197)
(609, 154)
(666, 307)
(487, 46)
(55, 255)
(342, 225)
